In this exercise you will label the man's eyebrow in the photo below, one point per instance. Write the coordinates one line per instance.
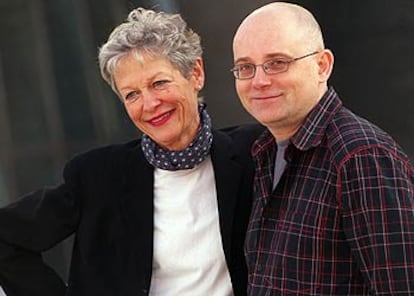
(266, 57)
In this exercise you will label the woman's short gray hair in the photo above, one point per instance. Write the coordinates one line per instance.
(157, 33)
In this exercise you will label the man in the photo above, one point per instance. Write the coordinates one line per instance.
(333, 210)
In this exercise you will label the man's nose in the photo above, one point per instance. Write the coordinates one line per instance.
(260, 79)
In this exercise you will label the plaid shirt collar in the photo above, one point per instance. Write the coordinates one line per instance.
(313, 128)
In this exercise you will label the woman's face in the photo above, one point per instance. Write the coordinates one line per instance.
(160, 101)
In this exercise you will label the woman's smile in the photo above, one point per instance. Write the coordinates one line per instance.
(160, 119)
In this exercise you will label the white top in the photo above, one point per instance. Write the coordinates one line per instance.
(188, 252)
(2, 292)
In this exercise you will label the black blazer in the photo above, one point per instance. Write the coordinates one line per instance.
(107, 201)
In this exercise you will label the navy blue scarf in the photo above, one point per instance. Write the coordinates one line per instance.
(184, 159)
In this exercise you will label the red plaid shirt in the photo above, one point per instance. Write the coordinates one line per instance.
(341, 219)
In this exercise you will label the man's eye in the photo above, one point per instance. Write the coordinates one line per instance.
(275, 63)
(245, 67)
(160, 84)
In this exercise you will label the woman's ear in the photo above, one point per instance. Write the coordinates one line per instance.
(198, 73)
(325, 63)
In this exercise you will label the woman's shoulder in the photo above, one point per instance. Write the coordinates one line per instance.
(238, 138)
(107, 153)
(243, 132)
(247, 129)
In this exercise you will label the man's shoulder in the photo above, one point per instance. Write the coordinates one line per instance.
(349, 133)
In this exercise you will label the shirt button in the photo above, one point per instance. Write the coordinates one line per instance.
(259, 268)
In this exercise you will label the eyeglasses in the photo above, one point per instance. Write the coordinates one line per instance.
(248, 70)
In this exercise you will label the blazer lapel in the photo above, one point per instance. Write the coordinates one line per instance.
(227, 170)
(137, 210)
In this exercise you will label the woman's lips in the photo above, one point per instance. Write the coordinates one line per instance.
(161, 119)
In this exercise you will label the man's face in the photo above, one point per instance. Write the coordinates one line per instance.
(279, 101)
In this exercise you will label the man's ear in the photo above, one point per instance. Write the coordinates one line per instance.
(325, 63)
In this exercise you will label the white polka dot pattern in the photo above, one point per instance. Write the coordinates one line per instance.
(184, 159)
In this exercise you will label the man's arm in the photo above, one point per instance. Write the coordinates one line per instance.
(378, 206)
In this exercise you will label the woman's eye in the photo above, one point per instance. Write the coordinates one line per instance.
(160, 84)
(131, 96)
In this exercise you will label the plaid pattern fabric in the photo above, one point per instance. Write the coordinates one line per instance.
(341, 219)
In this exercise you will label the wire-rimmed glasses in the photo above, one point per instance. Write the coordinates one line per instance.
(277, 65)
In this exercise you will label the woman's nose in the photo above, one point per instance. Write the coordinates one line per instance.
(150, 101)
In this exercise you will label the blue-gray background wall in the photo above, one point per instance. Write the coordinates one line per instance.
(53, 103)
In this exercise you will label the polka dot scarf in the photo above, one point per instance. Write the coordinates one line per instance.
(184, 159)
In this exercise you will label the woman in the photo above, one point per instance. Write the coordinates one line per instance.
(162, 215)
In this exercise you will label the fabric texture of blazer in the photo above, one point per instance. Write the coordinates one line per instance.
(106, 200)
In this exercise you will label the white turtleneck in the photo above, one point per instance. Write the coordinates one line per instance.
(188, 252)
